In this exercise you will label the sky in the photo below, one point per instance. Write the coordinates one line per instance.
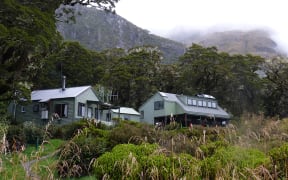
(163, 17)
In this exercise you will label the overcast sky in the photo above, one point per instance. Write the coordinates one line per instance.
(162, 17)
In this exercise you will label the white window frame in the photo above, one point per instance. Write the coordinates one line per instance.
(214, 105)
(81, 109)
(194, 102)
(23, 109)
(200, 103)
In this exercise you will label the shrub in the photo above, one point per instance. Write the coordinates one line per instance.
(77, 155)
(33, 133)
(231, 162)
(15, 137)
(145, 161)
(279, 158)
(210, 148)
(130, 132)
(67, 131)
(119, 163)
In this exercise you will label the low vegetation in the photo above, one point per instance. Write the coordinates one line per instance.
(252, 147)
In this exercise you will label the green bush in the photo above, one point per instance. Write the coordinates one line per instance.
(279, 158)
(231, 161)
(16, 131)
(145, 161)
(26, 133)
(77, 155)
(210, 148)
(130, 132)
(119, 163)
(67, 131)
(33, 133)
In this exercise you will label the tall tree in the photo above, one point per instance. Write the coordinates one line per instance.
(243, 92)
(232, 79)
(276, 87)
(203, 69)
(27, 35)
(133, 76)
(79, 65)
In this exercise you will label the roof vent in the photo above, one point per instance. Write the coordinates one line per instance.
(63, 83)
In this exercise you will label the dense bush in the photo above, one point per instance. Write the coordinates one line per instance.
(66, 131)
(33, 134)
(145, 161)
(26, 133)
(78, 154)
(209, 149)
(130, 132)
(15, 137)
(279, 158)
(232, 161)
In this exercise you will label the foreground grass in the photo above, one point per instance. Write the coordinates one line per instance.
(44, 149)
(43, 161)
(11, 167)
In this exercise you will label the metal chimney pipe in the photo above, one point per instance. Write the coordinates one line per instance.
(63, 83)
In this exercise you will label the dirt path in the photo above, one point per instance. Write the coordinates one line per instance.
(28, 166)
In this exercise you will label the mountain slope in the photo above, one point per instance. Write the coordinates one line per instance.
(257, 42)
(99, 30)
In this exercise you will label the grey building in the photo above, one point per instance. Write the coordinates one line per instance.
(65, 105)
(124, 113)
(186, 110)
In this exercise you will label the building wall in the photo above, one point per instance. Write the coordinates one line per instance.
(150, 113)
(129, 117)
(27, 114)
(82, 98)
(146, 110)
(71, 110)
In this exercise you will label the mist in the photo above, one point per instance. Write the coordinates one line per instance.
(192, 17)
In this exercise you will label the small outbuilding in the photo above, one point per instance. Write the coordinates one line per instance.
(124, 113)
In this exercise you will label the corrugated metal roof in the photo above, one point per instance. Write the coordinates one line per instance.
(196, 110)
(126, 110)
(46, 95)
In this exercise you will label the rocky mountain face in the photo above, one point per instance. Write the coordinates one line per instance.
(257, 42)
(100, 30)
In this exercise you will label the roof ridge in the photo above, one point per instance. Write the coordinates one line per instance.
(61, 88)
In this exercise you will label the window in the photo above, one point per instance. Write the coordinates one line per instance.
(23, 110)
(204, 104)
(158, 105)
(61, 110)
(89, 112)
(142, 114)
(194, 102)
(209, 104)
(81, 109)
(108, 116)
(97, 113)
(126, 117)
(36, 108)
(200, 103)
(189, 101)
(213, 104)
